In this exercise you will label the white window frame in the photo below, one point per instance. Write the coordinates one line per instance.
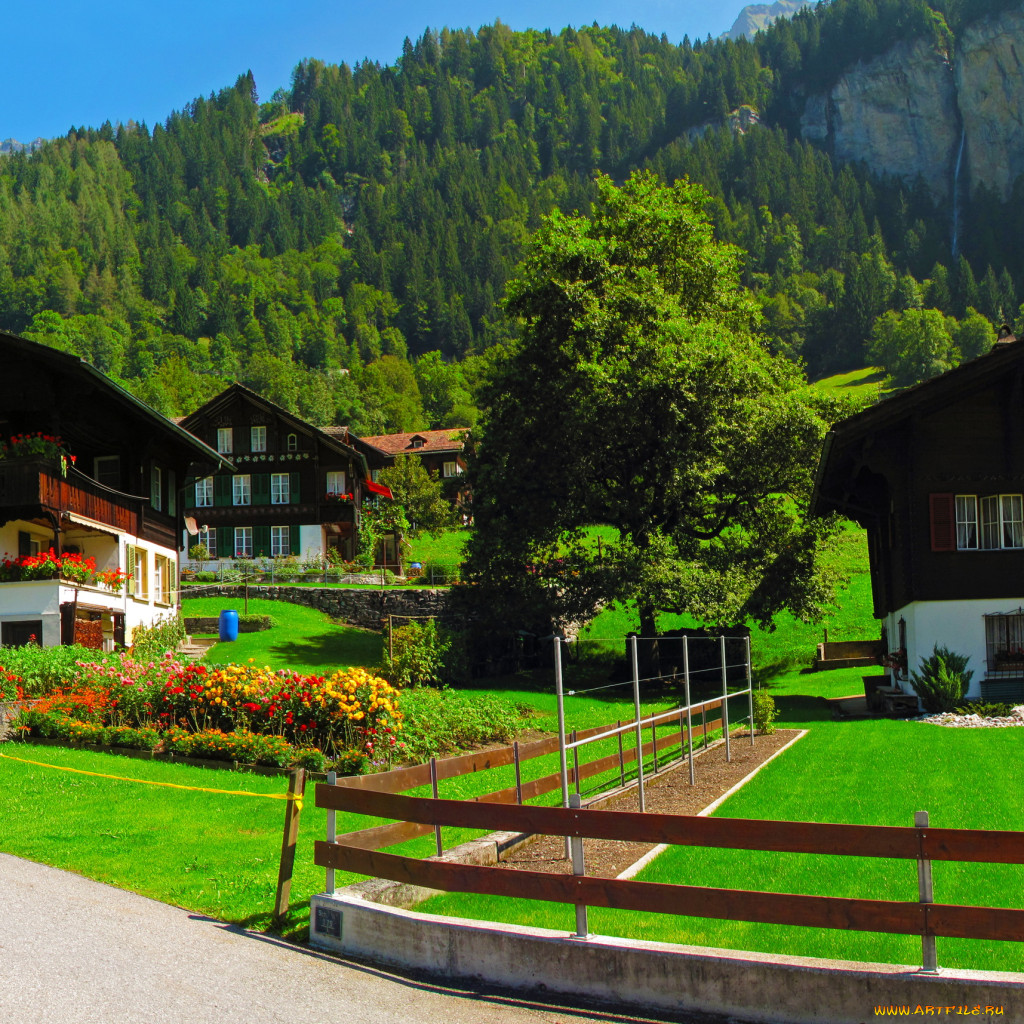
(225, 440)
(156, 488)
(451, 469)
(241, 489)
(205, 537)
(280, 488)
(204, 492)
(243, 542)
(257, 439)
(164, 576)
(280, 541)
(137, 564)
(967, 522)
(292, 442)
(1002, 522)
(336, 481)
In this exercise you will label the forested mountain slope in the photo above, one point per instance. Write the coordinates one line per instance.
(344, 246)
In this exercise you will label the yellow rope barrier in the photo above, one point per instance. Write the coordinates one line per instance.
(167, 785)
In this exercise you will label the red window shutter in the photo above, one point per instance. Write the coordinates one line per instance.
(942, 512)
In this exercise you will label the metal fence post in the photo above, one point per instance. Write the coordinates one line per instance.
(689, 706)
(575, 761)
(639, 729)
(560, 702)
(750, 691)
(519, 774)
(578, 868)
(433, 787)
(654, 744)
(725, 699)
(925, 894)
(622, 759)
(332, 833)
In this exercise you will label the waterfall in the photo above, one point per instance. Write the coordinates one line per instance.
(956, 192)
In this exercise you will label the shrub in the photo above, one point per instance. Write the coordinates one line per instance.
(765, 712)
(985, 709)
(942, 680)
(134, 739)
(166, 634)
(351, 762)
(242, 746)
(441, 721)
(260, 621)
(44, 670)
(310, 758)
(416, 654)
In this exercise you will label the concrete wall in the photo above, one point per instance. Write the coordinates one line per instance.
(366, 608)
(958, 625)
(650, 975)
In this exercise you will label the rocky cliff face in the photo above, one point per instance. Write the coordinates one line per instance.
(907, 112)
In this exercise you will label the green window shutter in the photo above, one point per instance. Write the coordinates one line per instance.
(214, 540)
(261, 489)
(261, 541)
(172, 493)
(222, 489)
(293, 488)
(293, 539)
(129, 558)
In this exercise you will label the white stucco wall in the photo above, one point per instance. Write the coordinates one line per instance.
(311, 541)
(957, 625)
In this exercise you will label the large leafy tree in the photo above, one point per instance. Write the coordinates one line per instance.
(638, 396)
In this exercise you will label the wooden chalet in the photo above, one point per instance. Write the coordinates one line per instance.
(295, 489)
(92, 474)
(935, 474)
(440, 451)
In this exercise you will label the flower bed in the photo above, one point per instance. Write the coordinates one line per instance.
(232, 712)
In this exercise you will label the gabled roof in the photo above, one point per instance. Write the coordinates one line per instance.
(76, 366)
(929, 396)
(343, 443)
(451, 440)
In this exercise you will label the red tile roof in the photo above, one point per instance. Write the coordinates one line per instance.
(450, 440)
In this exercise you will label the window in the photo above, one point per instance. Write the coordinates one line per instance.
(335, 482)
(280, 541)
(279, 491)
(241, 489)
(292, 442)
(966, 522)
(106, 470)
(137, 566)
(225, 440)
(417, 442)
(164, 569)
(208, 538)
(204, 492)
(22, 633)
(452, 469)
(156, 487)
(1004, 643)
(243, 542)
(258, 439)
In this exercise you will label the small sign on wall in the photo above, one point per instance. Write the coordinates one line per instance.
(328, 922)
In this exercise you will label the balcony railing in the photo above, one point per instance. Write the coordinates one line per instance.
(34, 486)
(306, 512)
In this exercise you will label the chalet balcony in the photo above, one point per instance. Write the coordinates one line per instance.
(35, 488)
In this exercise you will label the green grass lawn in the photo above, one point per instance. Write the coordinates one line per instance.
(304, 639)
(864, 386)
(446, 546)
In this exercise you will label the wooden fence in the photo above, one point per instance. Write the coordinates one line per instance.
(381, 796)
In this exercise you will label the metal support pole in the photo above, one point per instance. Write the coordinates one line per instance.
(622, 759)
(575, 763)
(750, 691)
(654, 744)
(925, 894)
(519, 773)
(689, 708)
(433, 787)
(725, 700)
(560, 701)
(332, 833)
(639, 730)
(578, 868)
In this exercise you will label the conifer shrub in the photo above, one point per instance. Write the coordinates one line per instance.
(942, 680)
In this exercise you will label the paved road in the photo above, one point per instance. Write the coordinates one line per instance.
(74, 951)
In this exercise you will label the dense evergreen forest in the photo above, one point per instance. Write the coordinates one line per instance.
(344, 247)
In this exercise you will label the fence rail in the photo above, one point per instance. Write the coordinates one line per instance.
(920, 843)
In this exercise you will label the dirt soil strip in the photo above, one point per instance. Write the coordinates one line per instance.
(667, 792)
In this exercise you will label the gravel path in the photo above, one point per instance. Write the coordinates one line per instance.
(75, 951)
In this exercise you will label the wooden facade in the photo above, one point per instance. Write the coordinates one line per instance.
(295, 489)
(935, 475)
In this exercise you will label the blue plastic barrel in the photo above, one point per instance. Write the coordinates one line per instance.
(229, 624)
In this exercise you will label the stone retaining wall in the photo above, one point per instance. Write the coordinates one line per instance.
(366, 608)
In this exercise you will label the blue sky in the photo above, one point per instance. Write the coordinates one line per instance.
(70, 62)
